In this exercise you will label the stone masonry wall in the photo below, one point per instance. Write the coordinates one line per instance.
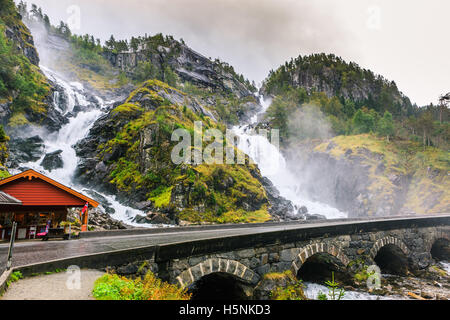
(250, 264)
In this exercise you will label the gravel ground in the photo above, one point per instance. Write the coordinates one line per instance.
(56, 286)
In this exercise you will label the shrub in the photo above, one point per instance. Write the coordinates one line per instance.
(114, 287)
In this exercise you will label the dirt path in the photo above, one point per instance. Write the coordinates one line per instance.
(57, 286)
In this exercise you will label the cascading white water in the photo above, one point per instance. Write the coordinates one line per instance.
(446, 266)
(312, 291)
(270, 161)
(273, 166)
(75, 130)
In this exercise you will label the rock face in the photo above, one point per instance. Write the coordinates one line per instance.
(356, 176)
(34, 106)
(216, 81)
(188, 64)
(98, 219)
(128, 153)
(19, 34)
(280, 207)
(23, 150)
(52, 161)
(335, 77)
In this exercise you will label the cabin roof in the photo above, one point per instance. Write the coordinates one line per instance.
(31, 175)
(8, 199)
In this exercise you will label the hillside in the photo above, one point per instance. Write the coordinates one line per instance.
(367, 176)
(128, 153)
(172, 61)
(24, 90)
(337, 78)
(355, 141)
(120, 65)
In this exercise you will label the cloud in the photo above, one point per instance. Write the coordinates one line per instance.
(404, 44)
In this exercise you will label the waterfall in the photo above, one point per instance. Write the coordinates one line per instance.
(273, 165)
(75, 130)
(270, 161)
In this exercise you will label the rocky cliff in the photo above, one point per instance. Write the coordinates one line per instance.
(337, 78)
(3, 153)
(128, 153)
(366, 176)
(215, 83)
(19, 34)
(26, 95)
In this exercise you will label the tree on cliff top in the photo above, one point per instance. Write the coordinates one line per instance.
(386, 125)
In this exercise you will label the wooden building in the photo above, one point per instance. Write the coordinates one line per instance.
(32, 199)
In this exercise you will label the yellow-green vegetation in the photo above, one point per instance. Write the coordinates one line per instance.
(126, 108)
(360, 273)
(21, 82)
(4, 174)
(441, 272)
(163, 199)
(113, 287)
(3, 153)
(427, 167)
(217, 193)
(279, 275)
(292, 291)
(14, 277)
(98, 73)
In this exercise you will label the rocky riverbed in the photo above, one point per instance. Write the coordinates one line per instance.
(432, 283)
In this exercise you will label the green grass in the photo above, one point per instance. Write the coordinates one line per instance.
(15, 276)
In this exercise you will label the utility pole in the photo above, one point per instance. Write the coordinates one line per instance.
(11, 246)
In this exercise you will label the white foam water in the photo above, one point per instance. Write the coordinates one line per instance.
(312, 291)
(272, 165)
(446, 266)
(74, 131)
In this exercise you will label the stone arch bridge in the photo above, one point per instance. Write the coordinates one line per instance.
(248, 257)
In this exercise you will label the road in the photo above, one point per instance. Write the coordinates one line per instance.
(35, 251)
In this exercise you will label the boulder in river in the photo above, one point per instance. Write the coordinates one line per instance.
(53, 161)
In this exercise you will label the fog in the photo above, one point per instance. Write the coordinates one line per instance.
(402, 40)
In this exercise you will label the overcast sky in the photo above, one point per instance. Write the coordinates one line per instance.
(404, 40)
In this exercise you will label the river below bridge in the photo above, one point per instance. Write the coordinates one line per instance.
(434, 284)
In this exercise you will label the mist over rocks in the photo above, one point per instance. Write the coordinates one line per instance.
(355, 177)
(23, 41)
(23, 150)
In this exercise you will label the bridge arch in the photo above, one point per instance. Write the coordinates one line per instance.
(391, 255)
(439, 246)
(217, 265)
(380, 243)
(439, 235)
(312, 249)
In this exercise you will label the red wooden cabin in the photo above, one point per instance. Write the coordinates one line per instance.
(38, 199)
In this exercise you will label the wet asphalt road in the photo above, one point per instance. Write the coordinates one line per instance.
(34, 251)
